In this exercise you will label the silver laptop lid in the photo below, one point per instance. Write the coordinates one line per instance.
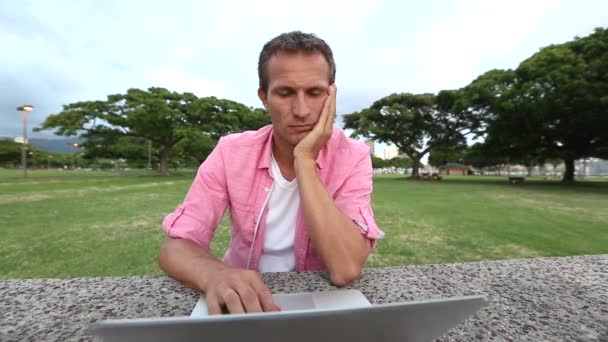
(412, 321)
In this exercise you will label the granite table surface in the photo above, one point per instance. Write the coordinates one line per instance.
(542, 299)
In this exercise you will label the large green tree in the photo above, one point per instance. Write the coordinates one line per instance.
(10, 156)
(167, 119)
(566, 91)
(10, 153)
(442, 155)
(378, 163)
(499, 112)
(478, 157)
(554, 105)
(415, 123)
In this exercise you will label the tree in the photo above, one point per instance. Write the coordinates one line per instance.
(10, 153)
(10, 156)
(193, 148)
(567, 89)
(378, 163)
(167, 119)
(414, 123)
(480, 156)
(116, 146)
(442, 155)
(399, 162)
(554, 105)
(479, 103)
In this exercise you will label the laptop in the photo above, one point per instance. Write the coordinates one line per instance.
(336, 299)
(305, 317)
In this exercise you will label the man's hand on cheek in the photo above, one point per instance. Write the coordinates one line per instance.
(313, 142)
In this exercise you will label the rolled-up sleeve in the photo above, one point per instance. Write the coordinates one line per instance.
(198, 216)
(354, 199)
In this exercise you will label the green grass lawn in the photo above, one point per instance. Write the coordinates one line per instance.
(78, 223)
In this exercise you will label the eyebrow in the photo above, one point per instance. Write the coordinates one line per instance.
(317, 87)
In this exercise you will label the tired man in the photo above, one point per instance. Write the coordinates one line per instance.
(298, 190)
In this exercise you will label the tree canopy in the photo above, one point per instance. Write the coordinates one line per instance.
(415, 123)
(554, 105)
(173, 122)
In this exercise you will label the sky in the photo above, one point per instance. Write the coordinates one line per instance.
(59, 52)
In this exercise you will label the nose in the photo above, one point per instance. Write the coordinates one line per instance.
(300, 106)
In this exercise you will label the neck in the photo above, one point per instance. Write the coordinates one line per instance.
(283, 154)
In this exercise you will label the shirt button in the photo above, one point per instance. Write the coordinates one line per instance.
(266, 189)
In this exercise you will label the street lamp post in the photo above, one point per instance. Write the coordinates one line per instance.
(24, 109)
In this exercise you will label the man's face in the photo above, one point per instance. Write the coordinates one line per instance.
(297, 88)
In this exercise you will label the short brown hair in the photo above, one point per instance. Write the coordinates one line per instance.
(294, 42)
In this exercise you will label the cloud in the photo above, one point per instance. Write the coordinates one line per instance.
(177, 80)
(451, 50)
(63, 51)
(185, 52)
(46, 87)
(479, 30)
(271, 17)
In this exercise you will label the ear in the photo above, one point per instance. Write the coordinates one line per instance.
(263, 97)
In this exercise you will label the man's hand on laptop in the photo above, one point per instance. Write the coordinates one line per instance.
(237, 291)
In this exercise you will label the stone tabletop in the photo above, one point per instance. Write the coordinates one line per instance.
(544, 299)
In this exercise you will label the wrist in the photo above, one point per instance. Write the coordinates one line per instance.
(205, 276)
(303, 155)
(303, 162)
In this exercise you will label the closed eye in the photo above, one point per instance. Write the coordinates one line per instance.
(284, 92)
(315, 92)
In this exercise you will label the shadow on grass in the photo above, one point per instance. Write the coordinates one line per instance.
(15, 176)
(579, 186)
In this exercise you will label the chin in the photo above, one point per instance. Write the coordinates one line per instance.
(294, 142)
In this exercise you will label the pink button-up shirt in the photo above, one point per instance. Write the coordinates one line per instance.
(236, 176)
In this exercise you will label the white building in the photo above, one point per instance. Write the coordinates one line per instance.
(391, 152)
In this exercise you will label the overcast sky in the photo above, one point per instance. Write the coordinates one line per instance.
(58, 52)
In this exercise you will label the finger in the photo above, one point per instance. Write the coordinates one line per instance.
(249, 297)
(325, 111)
(233, 301)
(213, 306)
(327, 115)
(332, 109)
(267, 301)
(264, 294)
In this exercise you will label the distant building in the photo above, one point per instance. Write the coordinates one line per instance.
(453, 169)
(391, 152)
(591, 167)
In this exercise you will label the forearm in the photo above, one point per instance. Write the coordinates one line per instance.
(338, 241)
(188, 263)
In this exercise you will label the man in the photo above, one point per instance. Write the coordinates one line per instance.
(298, 190)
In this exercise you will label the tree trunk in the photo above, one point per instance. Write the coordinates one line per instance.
(415, 168)
(164, 160)
(569, 172)
(529, 168)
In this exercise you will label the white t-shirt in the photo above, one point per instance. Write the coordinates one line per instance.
(278, 255)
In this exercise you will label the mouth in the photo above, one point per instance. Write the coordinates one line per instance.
(301, 128)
